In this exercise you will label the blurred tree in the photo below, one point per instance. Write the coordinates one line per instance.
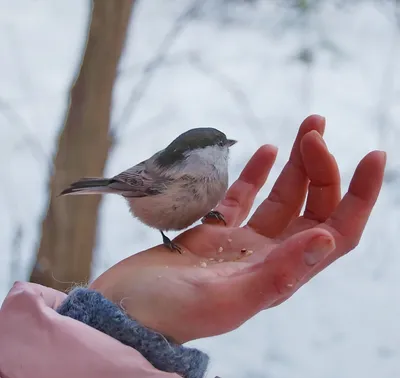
(69, 228)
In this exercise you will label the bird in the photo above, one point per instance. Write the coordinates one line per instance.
(175, 187)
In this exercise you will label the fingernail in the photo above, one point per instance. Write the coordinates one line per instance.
(318, 249)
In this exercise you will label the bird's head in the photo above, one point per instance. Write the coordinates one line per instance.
(202, 141)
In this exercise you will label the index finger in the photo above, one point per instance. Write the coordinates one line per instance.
(240, 196)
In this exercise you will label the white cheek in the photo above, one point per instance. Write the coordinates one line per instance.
(206, 161)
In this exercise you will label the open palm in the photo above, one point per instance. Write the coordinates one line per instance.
(229, 273)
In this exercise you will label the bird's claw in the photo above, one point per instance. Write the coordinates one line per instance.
(214, 215)
(173, 247)
(170, 245)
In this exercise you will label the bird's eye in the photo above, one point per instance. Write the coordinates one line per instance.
(221, 143)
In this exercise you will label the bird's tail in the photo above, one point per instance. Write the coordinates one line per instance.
(90, 185)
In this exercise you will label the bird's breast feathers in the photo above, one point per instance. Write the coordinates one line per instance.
(181, 204)
(189, 190)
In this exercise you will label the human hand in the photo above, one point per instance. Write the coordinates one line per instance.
(228, 274)
(36, 342)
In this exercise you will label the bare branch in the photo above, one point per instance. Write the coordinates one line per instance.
(237, 93)
(150, 68)
(15, 120)
(387, 84)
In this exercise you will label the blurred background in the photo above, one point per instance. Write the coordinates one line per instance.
(88, 88)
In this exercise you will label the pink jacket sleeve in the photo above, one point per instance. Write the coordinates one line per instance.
(36, 342)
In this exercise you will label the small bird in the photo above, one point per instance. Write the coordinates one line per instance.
(176, 186)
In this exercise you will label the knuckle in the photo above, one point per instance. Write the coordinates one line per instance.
(276, 197)
(18, 284)
(231, 202)
(284, 283)
(314, 215)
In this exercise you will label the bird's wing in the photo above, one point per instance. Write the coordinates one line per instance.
(137, 182)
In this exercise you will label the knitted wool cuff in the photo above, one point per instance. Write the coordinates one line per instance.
(91, 308)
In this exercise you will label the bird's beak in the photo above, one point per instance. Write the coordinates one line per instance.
(231, 142)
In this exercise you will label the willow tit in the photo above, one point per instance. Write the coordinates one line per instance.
(176, 186)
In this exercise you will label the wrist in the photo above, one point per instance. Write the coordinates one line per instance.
(135, 285)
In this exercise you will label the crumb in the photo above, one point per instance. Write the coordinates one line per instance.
(220, 249)
(289, 285)
(248, 253)
(211, 259)
(220, 260)
(230, 240)
(203, 264)
(243, 250)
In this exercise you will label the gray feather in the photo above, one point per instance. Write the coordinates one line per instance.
(88, 185)
(139, 182)
(135, 182)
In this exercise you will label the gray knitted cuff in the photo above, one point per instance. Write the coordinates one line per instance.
(91, 308)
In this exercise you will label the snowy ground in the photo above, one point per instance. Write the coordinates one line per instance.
(236, 71)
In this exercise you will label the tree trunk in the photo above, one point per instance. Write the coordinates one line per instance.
(69, 228)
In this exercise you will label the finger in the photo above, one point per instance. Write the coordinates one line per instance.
(240, 196)
(324, 187)
(264, 283)
(288, 193)
(323, 173)
(347, 223)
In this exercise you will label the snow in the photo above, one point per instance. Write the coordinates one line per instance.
(237, 71)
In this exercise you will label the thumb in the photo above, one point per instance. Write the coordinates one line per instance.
(287, 264)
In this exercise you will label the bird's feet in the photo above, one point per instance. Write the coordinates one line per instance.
(169, 244)
(214, 215)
